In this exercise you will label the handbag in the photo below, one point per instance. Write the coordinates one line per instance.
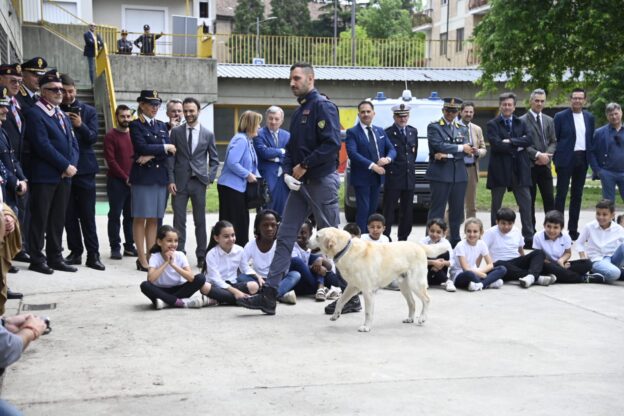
(257, 194)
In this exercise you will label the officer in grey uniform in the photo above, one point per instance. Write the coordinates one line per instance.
(310, 165)
(448, 143)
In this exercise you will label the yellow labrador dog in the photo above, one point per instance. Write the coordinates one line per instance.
(367, 266)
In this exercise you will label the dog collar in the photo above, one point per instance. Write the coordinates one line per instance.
(342, 252)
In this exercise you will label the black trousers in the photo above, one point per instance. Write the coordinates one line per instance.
(541, 176)
(578, 268)
(441, 276)
(224, 296)
(119, 201)
(405, 200)
(232, 208)
(531, 263)
(80, 221)
(576, 174)
(170, 295)
(48, 204)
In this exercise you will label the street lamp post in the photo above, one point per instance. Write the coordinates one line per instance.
(258, 21)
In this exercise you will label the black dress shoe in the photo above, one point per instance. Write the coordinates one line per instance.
(574, 235)
(201, 263)
(95, 263)
(14, 295)
(130, 252)
(40, 268)
(63, 267)
(74, 258)
(115, 255)
(22, 256)
(13, 269)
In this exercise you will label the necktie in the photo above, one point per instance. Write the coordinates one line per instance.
(403, 132)
(371, 140)
(59, 116)
(190, 141)
(508, 124)
(275, 139)
(18, 119)
(541, 129)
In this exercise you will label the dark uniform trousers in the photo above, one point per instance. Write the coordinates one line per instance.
(406, 208)
(80, 219)
(454, 194)
(48, 204)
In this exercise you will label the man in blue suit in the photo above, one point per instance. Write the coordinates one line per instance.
(448, 144)
(93, 43)
(270, 145)
(53, 162)
(574, 128)
(80, 217)
(369, 150)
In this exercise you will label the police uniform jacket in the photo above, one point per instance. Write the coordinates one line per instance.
(24, 98)
(124, 47)
(401, 173)
(314, 137)
(53, 147)
(86, 135)
(16, 137)
(13, 170)
(507, 159)
(146, 43)
(445, 137)
(148, 140)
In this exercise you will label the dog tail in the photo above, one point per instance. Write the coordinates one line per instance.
(434, 250)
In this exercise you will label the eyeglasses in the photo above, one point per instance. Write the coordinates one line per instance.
(56, 90)
(401, 116)
(15, 81)
(450, 110)
(155, 105)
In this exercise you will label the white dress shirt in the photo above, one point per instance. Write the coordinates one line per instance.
(598, 242)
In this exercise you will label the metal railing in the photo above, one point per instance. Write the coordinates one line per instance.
(103, 68)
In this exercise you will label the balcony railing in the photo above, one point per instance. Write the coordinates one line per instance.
(422, 18)
(473, 4)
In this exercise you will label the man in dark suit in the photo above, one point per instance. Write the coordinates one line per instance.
(541, 128)
(270, 145)
(509, 167)
(401, 173)
(53, 162)
(14, 127)
(13, 179)
(448, 144)
(369, 150)
(574, 128)
(189, 175)
(32, 69)
(93, 43)
(80, 217)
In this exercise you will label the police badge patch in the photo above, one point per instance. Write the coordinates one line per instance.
(321, 124)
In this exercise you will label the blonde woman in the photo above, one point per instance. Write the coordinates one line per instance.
(239, 169)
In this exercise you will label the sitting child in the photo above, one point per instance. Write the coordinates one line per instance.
(620, 220)
(506, 246)
(557, 248)
(353, 229)
(467, 254)
(376, 226)
(602, 242)
(225, 281)
(315, 270)
(170, 280)
(438, 268)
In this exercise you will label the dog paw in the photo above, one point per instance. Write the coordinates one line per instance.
(334, 317)
(408, 320)
(421, 320)
(364, 328)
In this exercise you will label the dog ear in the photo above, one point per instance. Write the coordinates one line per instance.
(330, 242)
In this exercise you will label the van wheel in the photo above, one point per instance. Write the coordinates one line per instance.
(349, 213)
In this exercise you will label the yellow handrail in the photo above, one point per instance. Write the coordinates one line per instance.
(102, 66)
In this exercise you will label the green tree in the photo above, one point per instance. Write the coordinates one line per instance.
(292, 18)
(385, 19)
(324, 26)
(553, 44)
(246, 13)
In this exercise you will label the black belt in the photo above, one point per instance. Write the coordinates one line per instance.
(470, 164)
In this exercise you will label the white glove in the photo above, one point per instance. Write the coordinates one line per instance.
(292, 183)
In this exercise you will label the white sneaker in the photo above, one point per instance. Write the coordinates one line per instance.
(450, 286)
(206, 301)
(334, 293)
(159, 304)
(194, 303)
(496, 284)
(473, 287)
(289, 298)
(546, 280)
(527, 280)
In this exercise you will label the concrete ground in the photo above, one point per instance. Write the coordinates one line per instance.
(540, 351)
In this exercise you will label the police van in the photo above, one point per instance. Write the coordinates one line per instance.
(422, 112)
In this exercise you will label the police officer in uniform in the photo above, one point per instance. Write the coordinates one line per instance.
(310, 165)
(448, 143)
(147, 41)
(401, 173)
(32, 70)
(124, 46)
(13, 178)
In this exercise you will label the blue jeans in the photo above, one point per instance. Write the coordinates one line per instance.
(608, 180)
(610, 266)
(464, 278)
(288, 282)
(7, 409)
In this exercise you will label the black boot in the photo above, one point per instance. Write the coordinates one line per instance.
(93, 261)
(265, 300)
(73, 258)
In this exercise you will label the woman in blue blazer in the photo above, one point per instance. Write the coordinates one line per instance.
(148, 175)
(239, 169)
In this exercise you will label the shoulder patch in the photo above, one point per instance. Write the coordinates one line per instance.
(321, 124)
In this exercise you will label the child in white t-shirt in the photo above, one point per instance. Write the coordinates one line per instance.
(437, 268)
(376, 226)
(170, 280)
(468, 254)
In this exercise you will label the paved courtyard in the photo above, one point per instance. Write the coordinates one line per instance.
(543, 351)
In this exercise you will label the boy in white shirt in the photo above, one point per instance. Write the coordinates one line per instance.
(506, 246)
(376, 225)
(602, 241)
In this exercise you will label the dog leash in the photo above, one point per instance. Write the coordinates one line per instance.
(307, 196)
